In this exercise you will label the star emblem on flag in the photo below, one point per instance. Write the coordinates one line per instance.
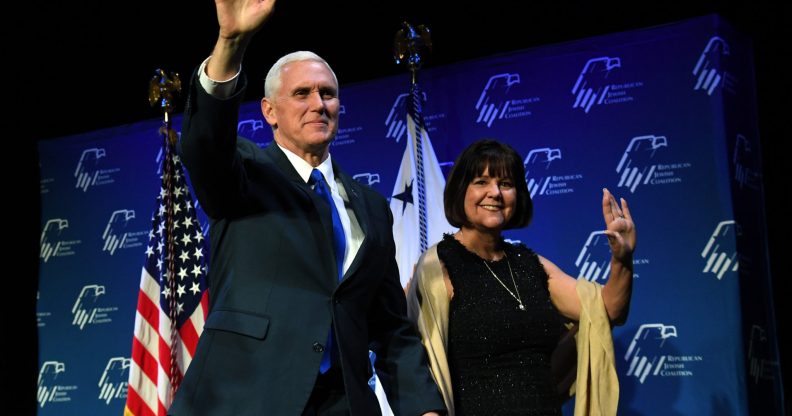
(406, 196)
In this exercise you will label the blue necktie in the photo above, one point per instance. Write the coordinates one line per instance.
(339, 245)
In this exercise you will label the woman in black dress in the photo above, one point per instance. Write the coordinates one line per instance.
(489, 312)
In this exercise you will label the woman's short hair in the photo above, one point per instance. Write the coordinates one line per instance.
(502, 161)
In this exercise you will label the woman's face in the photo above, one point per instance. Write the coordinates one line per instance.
(490, 202)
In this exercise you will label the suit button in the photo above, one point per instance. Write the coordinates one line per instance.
(317, 347)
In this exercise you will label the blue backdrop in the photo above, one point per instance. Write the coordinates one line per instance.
(664, 117)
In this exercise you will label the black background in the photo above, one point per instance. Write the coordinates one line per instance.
(87, 64)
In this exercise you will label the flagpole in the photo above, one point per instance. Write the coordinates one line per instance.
(162, 92)
(408, 45)
(173, 298)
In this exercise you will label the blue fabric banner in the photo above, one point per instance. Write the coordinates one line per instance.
(664, 117)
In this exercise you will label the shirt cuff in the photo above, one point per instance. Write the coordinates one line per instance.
(217, 89)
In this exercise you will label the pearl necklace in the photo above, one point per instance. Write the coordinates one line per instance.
(517, 297)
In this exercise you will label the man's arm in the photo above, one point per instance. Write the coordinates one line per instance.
(401, 357)
(209, 136)
(239, 20)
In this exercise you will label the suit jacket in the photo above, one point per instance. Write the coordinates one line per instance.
(274, 290)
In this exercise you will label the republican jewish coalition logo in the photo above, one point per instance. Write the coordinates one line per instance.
(51, 239)
(114, 380)
(762, 366)
(542, 173)
(396, 121)
(707, 72)
(537, 163)
(50, 386)
(645, 354)
(117, 229)
(746, 163)
(593, 262)
(45, 184)
(721, 250)
(250, 128)
(367, 178)
(397, 118)
(637, 165)
(493, 103)
(88, 309)
(88, 172)
(85, 307)
(592, 86)
(349, 133)
(41, 315)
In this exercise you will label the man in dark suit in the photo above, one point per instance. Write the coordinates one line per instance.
(303, 280)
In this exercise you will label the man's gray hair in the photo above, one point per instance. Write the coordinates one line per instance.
(273, 80)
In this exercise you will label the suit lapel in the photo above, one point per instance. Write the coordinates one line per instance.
(355, 195)
(279, 158)
(321, 225)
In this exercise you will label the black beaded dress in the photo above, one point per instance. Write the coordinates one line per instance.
(499, 355)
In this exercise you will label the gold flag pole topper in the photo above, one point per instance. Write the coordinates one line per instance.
(407, 47)
(162, 92)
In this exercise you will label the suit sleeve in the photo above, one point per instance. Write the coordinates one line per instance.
(208, 147)
(401, 359)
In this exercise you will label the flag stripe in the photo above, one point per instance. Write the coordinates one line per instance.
(189, 337)
(164, 352)
(137, 404)
(144, 360)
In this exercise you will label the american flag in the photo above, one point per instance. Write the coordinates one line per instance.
(172, 301)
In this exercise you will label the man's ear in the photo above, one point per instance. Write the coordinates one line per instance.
(268, 110)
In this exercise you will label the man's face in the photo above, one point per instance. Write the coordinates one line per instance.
(305, 108)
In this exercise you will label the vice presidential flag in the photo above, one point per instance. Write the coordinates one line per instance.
(417, 200)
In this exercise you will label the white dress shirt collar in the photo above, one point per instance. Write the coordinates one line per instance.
(304, 168)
